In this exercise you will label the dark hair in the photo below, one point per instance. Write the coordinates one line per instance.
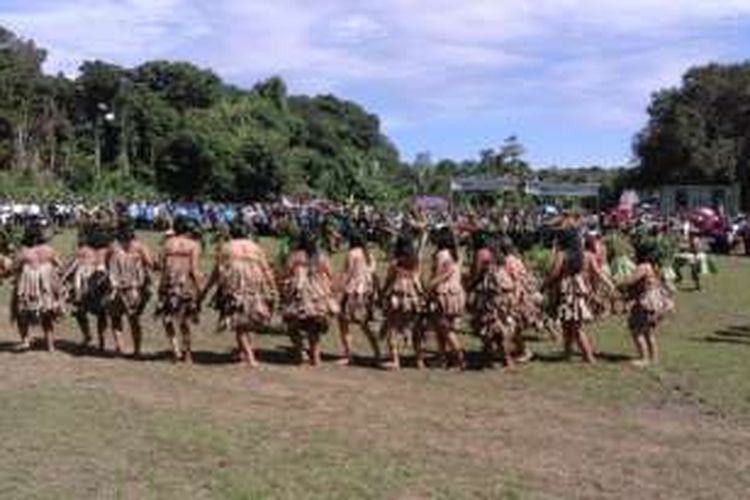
(239, 230)
(481, 238)
(569, 241)
(182, 225)
(356, 239)
(444, 240)
(33, 235)
(307, 243)
(498, 252)
(126, 231)
(84, 232)
(99, 237)
(646, 252)
(506, 245)
(404, 252)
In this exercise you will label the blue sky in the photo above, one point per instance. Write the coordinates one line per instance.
(570, 78)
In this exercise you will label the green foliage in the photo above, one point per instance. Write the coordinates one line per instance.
(699, 132)
(617, 245)
(176, 129)
(10, 239)
(539, 260)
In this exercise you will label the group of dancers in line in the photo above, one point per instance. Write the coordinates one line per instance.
(109, 279)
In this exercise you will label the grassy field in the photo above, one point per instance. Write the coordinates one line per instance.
(80, 425)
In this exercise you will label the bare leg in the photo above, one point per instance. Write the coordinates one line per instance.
(488, 349)
(101, 330)
(520, 350)
(652, 346)
(174, 341)
(373, 341)
(345, 338)
(456, 348)
(117, 326)
(116, 332)
(584, 343)
(299, 350)
(83, 323)
(136, 331)
(314, 340)
(392, 340)
(568, 332)
(505, 349)
(23, 331)
(48, 326)
(245, 345)
(187, 348)
(418, 344)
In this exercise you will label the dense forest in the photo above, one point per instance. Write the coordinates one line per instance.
(699, 132)
(172, 129)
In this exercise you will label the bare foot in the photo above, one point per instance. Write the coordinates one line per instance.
(345, 361)
(390, 366)
(525, 357)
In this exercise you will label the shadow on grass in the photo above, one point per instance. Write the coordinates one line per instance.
(736, 335)
(605, 357)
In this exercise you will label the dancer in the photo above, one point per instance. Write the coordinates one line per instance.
(571, 290)
(358, 286)
(526, 308)
(602, 290)
(37, 290)
(403, 298)
(483, 256)
(179, 288)
(129, 265)
(246, 289)
(307, 298)
(447, 297)
(90, 287)
(650, 301)
(495, 296)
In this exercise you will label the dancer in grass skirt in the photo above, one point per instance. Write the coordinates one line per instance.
(179, 287)
(37, 289)
(494, 318)
(528, 301)
(246, 289)
(358, 286)
(569, 283)
(129, 265)
(403, 304)
(447, 297)
(649, 302)
(307, 298)
(89, 286)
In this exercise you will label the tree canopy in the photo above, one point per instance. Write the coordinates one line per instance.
(699, 132)
(174, 129)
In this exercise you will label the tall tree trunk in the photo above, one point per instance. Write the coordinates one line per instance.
(124, 153)
(97, 147)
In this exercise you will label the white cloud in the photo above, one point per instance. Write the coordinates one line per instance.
(590, 62)
(127, 31)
